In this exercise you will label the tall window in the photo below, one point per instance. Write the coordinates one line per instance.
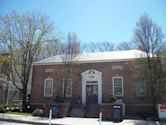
(140, 88)
(67, 85)
(48, 87)
(118, 86)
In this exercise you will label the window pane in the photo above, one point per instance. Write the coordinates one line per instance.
(68, 87)
(48, 87)
(49, 84)
(118, 91)
(118, 86)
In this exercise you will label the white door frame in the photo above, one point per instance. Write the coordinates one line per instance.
(91, 75)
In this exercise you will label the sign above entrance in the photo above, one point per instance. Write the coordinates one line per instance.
(89, 82)
(91, 76)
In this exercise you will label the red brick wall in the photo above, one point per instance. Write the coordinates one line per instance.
(38, 78)
(39, 75)
(137, 109)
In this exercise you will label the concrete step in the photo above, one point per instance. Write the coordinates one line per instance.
(77, 110)
(77, 113)
(92, 111)
(78, 106)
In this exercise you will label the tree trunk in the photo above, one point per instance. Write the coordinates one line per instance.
(24, 100)
(153, 100)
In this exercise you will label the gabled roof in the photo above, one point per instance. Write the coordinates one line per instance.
(112, 56)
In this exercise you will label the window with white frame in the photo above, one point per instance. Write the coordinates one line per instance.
(140, 88)
(48, 87)
(67, 87)
(118, 90)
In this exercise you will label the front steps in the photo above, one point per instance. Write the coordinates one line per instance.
(78, 110)
(89, 111)
(92, 111)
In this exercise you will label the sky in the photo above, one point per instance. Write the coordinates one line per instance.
(93, 20)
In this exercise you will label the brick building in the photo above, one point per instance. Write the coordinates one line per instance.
(94, 77)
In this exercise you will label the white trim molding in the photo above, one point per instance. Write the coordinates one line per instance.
(91, 75)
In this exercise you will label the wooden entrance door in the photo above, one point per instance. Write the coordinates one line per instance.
(92, 94)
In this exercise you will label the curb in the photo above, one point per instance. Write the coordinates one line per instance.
(27, 122)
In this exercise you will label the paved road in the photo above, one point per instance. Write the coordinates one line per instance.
(68, 121)
(11, 123)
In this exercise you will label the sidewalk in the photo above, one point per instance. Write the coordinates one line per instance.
(71, 121)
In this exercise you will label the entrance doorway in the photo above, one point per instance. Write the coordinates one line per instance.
(91, 87)
(92, 94)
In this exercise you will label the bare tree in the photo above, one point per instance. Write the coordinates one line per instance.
(21, 36)
(90, 47)
(4, 66)
(126, 46)
(70, 49)
(98, 46)
(149, 38)
(50, 48)
(105, 46)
